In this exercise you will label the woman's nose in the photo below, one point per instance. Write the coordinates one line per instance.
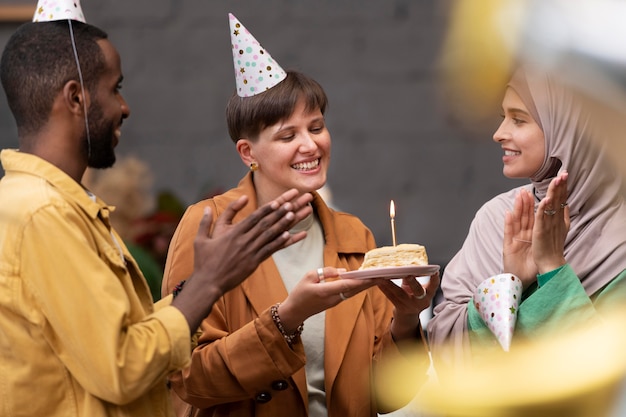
(500, 134)
(308, 142)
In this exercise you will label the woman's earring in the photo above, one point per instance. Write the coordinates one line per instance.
(254, 166)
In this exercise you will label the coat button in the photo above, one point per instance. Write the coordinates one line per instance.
(280, 385)
(263, 397)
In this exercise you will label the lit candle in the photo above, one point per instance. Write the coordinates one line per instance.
(392, 214)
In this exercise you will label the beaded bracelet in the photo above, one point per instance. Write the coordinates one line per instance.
(178, 288)
(289, 338)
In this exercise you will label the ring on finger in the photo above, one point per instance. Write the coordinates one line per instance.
(320, 274)
(563, 205)
(343, 297)
(419, 297)
(551, 212)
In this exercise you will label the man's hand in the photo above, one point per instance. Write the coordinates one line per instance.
(233, 251)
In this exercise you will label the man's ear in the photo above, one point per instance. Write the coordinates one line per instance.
(74, 97)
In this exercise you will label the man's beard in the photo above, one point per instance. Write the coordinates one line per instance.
(100, 151)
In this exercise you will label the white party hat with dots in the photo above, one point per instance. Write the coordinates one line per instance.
(50, 10)
(497, 299)
(255, 70)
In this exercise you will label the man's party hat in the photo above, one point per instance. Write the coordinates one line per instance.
(49, 10)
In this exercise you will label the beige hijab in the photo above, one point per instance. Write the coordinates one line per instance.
(596, 243)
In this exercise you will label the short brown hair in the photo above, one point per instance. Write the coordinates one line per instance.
(248, 116)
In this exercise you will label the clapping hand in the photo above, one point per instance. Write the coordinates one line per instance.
(228, 253)
(551, 226)
(534, 242)
(517, 249)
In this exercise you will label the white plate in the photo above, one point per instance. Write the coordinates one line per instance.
(392, 272)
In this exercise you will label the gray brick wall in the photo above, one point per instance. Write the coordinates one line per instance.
(392, 136)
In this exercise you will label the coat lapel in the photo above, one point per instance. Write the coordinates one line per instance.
(263, 289)
(339, 327)
(341, 319)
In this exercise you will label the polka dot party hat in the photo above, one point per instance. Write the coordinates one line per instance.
(49, 10)
(497, 299)
(255, 70)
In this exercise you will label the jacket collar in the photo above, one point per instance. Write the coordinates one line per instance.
(16, 161)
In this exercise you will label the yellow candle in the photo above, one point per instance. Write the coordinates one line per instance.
(392, 215)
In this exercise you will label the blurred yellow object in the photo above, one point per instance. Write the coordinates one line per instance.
(396, 383)
(478, 54)
(576, 374)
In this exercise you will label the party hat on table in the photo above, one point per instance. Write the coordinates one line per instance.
(49, 10)
(497, 299)
(255, 70)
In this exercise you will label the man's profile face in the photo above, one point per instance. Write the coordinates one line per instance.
(107, 111)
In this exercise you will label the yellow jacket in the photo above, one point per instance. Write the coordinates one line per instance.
(243, 367)
(78, 332)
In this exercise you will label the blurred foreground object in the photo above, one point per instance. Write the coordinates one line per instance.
(576, 374)
(477, 57)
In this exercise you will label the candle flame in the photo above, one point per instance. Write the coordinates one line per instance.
(392, 210)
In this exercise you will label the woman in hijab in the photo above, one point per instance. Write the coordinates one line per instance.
(563, 235)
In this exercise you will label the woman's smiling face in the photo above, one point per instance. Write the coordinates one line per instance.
(293, 153)
(521, 138)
